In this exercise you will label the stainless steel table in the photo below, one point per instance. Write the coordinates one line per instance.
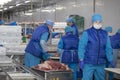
(5, 61)
(113, 70)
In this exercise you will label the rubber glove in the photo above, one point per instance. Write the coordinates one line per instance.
(46, 56)
(81, 64)
(112, 64)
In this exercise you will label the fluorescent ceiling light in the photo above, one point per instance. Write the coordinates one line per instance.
(11, 6)
(18, 4)
(1, 10)
(48, 10)
(74, 5)
(5, 9)
(27, 1)
(2, 2)
(28, 14)
(60, 8)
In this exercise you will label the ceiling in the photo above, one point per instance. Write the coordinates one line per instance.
(22, 5)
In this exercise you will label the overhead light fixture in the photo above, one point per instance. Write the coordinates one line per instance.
(1, 10)
(74, 5)
(26, 1)
(5, 9)
(48, 10)
(2, 2)
(18, 4)
(11, 6)
(60, 8)
(28, 14)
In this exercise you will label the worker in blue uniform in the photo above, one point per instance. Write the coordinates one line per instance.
(71, 22)
(68, 50)
(109, 30)
(37, 46)
(13, 23)
(94, 49)
(1, 22)
(115, 41)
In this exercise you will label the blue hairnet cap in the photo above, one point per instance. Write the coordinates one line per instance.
(14, 23)
(108, 29)
(1, 22)
(70, 20)
(118, 30)
(49, 22)
(96, 17)
(68, 29)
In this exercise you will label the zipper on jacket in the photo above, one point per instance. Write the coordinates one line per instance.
(98, 46)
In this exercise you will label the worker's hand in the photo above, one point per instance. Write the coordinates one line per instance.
(112, 64)
(46, 56)
(81, 64)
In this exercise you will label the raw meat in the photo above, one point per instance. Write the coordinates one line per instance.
(52, 65)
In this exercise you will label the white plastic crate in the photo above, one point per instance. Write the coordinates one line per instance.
(11, 36)
(14, 48)
(2, 51)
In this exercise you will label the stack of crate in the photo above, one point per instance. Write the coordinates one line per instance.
(10, 36)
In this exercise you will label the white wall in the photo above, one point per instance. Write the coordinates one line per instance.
(110, 9)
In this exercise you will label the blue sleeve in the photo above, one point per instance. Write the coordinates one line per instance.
(75, 31)
(109, 50)
(45, 36)
(82, 45)
(43, 42)
(60, 46)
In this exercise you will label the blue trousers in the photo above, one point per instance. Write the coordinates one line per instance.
(31, 60)
(74, 67)
(97, 70)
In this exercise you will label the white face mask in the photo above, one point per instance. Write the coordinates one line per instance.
(97, 26)
(110, 34)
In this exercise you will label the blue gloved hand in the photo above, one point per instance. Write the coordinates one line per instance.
(112, 64)
(46, 56)
(81, 64)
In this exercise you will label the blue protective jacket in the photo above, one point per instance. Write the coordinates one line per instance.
(75, 30)
(70, 49)
(95, 50)
(115, 41)
(34, 46)
(95, 47)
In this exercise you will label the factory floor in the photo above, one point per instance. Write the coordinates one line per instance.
(3, 76)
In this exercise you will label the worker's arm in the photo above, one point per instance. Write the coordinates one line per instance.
(60, 47)
(75, 31)
(82, 45)
(43, 41)
(109, 50)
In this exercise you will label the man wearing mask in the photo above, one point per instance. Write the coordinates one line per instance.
(94, 49)
(36, 48)
(71, 22)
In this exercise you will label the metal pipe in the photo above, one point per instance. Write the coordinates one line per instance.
(94, 7)
(32, 10)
